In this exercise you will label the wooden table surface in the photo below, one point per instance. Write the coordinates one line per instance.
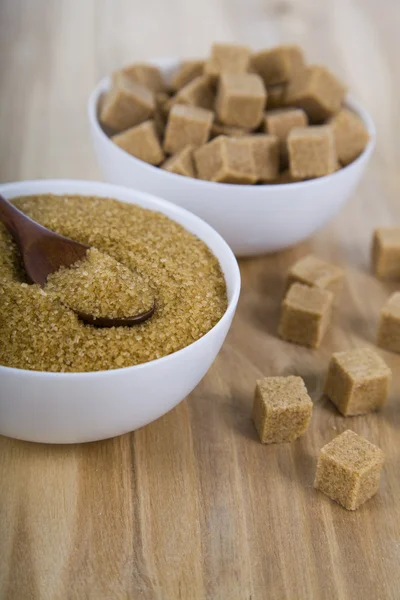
(193, 506)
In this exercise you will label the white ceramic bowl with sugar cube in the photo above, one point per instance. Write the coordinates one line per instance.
(252, 219)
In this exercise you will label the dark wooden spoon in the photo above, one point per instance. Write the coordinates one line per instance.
(44, 252)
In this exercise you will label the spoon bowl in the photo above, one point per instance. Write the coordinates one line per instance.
(117, 322)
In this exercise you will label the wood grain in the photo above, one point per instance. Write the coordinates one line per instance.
(193, 506)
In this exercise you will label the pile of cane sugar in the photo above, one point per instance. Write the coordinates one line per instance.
(101, 286)
(173, 267)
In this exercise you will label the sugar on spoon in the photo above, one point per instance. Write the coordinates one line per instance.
(45, 252)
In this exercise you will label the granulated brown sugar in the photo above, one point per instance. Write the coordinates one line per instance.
(101, 286)
(349, 469)
(40, 333)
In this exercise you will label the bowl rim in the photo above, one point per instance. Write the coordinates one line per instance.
(34, 185)
(104, 84)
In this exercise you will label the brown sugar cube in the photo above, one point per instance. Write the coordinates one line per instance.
(160, 122)
(148, 75)
(161, 98)
(226, 160)
(280, 122)
(386, 252)
(317, 91)
(285, 177)
(187, 125)
(305, 315)
(127, 104)
(389, 324)
(282, 409)
(349, 469)
(276, 96)
(221, 129)
(181, 163)
(240, 100)
(198, 92)
(164, 103)
(358, 381)
(265, 150)
(311, 151)
(278, 65)
(351, 135)
(227, 58)
(166, 106)
(188, 70)
(142, 142)
(160, 113)
(315, 272)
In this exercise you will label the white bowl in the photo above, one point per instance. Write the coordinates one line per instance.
(82, 407)
(252, 219)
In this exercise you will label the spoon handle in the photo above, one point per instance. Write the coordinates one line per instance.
(16, 222)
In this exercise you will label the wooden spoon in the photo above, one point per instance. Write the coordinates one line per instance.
(44, 252)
